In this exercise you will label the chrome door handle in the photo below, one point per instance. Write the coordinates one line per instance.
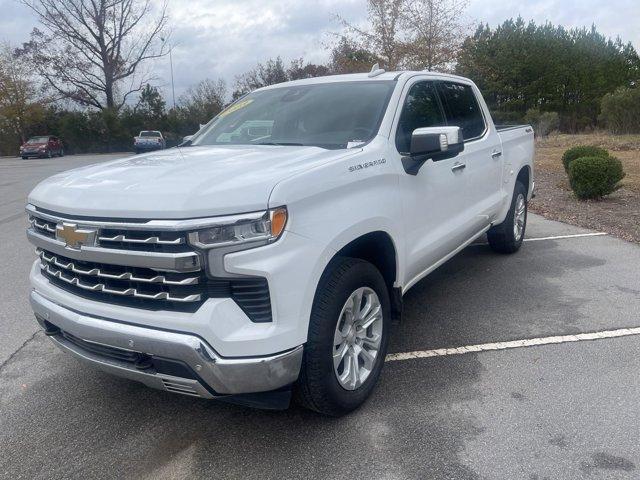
(496, 154)
(458, 166)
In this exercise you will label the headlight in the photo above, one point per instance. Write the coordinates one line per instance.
(248, 228)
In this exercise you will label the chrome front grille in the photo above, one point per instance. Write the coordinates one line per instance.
(144, 264)
(122, 281)
(69, 265)
(142, 240)
(43, 227)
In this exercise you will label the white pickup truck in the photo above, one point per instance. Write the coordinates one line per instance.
(269, 253)
(148, 140)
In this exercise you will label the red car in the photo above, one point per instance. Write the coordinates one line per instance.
(44, 146)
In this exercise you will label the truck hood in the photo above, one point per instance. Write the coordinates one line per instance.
(179, 183)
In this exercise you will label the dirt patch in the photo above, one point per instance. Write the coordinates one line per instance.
(618, 214)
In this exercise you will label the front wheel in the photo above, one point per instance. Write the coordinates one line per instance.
(348, 338)
(509, 235)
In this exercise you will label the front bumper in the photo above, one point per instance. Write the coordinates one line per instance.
(148, 147)
(177, 362)
(33, 153)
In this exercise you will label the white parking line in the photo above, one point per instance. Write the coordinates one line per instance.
(530, 342)
(556, 237)
(576, 235)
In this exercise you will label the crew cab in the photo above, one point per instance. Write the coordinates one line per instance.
(42, 146)
(269, 252)
(148, 140)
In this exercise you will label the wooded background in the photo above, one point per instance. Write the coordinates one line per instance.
(85, 73)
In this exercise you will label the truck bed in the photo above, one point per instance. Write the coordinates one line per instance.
(502, 128)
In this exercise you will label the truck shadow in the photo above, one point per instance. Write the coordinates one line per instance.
(480, 296)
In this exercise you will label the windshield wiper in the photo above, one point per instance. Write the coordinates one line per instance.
(186, 143)
(282, 144)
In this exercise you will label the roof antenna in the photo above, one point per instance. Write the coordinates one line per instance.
(375, 71)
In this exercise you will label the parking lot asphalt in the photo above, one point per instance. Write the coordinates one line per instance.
(559, 411)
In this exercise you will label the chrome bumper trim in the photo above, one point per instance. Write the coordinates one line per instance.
(176, 262)
(225, 376)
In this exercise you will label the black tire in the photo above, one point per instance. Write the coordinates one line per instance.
(24, 158)
(317, 387)
(502, 238)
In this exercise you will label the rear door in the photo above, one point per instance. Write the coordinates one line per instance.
(482, 155)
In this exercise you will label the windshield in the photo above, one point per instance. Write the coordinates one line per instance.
(327, 115)
(149, 134)
(38, 140)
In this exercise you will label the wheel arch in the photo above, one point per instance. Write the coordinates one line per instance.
(379, 249)
(524, 177)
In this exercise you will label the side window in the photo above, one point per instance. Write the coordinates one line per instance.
(421, 109)
(462, 109)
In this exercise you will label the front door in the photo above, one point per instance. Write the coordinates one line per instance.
(436, 203)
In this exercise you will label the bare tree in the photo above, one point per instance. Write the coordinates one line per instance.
(20, 101)
(268, 73)
(274, 71)
(204, 101)
(384, 37)
(94, 51)
(408, 33)
(437, 29)
(348, 58)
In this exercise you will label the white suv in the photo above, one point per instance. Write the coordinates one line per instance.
(272, 249)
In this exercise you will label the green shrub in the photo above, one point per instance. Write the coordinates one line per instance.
(543, 123)
(581, 151)
(595, 177)
(620, 110)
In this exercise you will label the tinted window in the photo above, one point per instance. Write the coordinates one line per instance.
(38, 140)
(421, 109)
(329, 115)
(462, 109)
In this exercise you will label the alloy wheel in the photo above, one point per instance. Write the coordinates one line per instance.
(519, 217)
(357, 338)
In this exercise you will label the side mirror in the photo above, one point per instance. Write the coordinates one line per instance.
(436, 143)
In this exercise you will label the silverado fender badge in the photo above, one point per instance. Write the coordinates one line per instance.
(362, 166)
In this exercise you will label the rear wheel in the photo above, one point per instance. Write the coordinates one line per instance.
(348, 337)
(509, 235)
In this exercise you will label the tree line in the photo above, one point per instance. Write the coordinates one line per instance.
(84, 74)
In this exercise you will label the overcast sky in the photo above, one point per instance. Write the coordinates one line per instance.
(222, 38)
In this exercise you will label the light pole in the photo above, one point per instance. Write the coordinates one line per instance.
(173, 88)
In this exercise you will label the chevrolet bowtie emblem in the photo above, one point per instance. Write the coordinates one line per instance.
(73, 236)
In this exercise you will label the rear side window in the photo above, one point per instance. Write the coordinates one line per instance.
(462, 109)
(421, 109)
